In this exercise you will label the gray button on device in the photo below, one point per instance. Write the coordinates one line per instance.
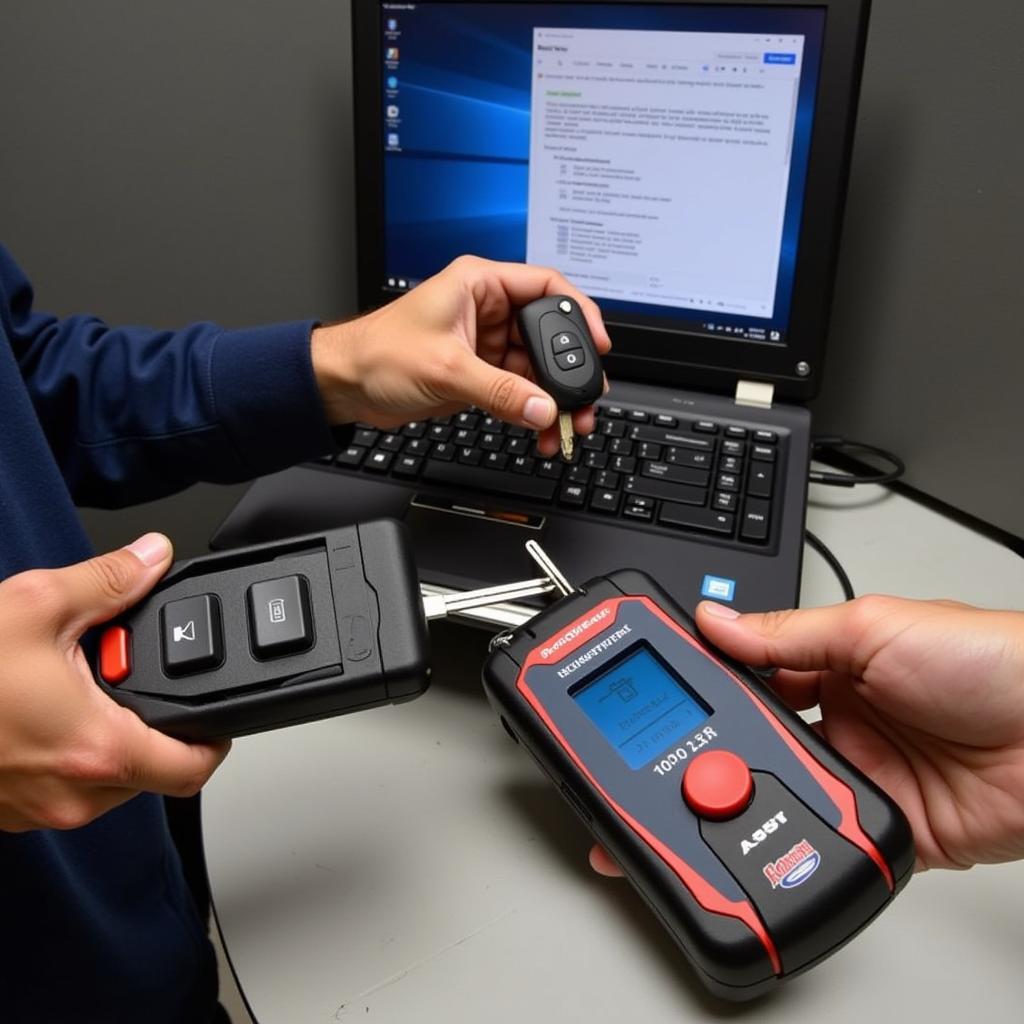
(193, 639)
(565, 306)
(280, 618)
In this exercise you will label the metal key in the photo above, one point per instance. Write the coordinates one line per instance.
(437, 606)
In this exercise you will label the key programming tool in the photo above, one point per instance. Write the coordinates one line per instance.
(758, 847)
(565, 362)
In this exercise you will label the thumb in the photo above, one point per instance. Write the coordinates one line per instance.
(100, 588)
(810, 638)
(504, 394)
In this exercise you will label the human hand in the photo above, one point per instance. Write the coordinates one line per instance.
(68, 753)
(924, 697)
(449, 343)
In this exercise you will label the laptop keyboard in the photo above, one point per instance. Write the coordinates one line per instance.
(712, 478)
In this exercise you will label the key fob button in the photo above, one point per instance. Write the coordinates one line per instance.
(570, 360)
(564, 341)
(717, 785)
(115, 655)
(280, 617)
(192, 634)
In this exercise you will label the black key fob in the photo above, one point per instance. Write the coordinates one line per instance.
(263, 637)
(564, 359)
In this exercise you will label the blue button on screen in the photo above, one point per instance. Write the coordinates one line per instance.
(780, 58)
(641, 707)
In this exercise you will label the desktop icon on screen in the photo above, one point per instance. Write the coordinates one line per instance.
(392, 111)
(391, 53)
(392, 139)
(392, 24)
(392, 82)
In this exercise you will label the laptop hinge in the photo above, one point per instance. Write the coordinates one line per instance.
(755, 392)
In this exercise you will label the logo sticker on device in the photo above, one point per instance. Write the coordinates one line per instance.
(793, 868)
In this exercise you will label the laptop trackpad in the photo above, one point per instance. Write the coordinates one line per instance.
(465, 544)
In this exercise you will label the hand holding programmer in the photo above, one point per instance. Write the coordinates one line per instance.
(925, 697)
(449, 343)
(68, 753)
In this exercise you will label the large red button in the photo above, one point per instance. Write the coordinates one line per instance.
(717, 785)
(115, 655)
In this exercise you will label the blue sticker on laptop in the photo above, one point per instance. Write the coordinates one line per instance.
(718, 588)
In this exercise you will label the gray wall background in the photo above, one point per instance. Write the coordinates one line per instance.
(166, 162)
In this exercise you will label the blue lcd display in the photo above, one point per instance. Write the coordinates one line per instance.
(641, 707)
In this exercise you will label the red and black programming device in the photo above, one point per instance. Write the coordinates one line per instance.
(757, 846)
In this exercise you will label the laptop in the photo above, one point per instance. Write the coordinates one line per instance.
(683, 164)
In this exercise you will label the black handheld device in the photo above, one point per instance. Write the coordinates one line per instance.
(760, 849)
(562, 353)
(272, 635)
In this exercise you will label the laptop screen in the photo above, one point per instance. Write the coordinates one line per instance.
(656, 154)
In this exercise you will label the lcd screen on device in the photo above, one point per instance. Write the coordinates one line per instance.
(641, 706)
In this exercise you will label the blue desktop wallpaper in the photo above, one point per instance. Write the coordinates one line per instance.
(464, 72)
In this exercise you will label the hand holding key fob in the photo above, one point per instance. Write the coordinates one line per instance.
(761, 850)
(563, 356)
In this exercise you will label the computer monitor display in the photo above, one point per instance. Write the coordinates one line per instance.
(657, 154)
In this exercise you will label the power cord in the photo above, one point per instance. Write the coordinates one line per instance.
(839, 450)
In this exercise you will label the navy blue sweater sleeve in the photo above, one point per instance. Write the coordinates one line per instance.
(133, 413)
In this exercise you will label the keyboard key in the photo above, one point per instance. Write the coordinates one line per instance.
(492, 425)
(640, 502)
(578, 475)
(522, 464)
(676, 474)
(417, 446)
(730, 464)
(467, 420)
(491, 442)
(605, 501)
(378, 461)
(611, 428)
(366, 437)
(649, 450)
(674, 438)
(550, 469)
(607, 480)
(664, 420)
(754, 526)
(516, 432)
(439, 432)
(470, 456)
(727, 482)
(613, 412)
(705, 427)
(725, 501)
(391, 442)
(663, 489)
(495, 460)
(594, 442)
(572, 495)
(595, 460)
(704, 520)
(735, 431)
(733, 447)
(408, 466)
(621, 446)
(623, 464)
(762, 452)
(351, 456)
(474, 478)
(636, 511)
(685, 457)
(766, 436)
(443, 451)
(517, 445)
(464, 436)
(637, 416)
(416, 429)
(760, 478)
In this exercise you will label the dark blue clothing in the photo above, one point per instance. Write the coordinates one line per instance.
(96, 924)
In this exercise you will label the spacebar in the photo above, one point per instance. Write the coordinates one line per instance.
(473, 478)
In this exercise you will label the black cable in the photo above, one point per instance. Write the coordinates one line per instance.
(838, 449)
(834, 564)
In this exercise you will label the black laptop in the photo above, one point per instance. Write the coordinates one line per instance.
(685, 165)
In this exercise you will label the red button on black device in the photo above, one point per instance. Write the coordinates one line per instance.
(115, 655)
(717, 785)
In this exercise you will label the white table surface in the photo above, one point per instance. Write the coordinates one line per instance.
(412, 865)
